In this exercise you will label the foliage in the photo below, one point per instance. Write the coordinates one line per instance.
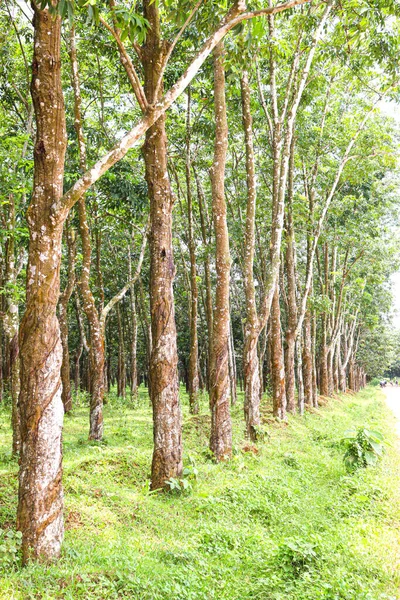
(363, 448)
(10, 542)
(297, 556)
(185, 484)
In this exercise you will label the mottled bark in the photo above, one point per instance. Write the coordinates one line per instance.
(121, 376)
(207, 273)
(307, 361)
(193, 369)
(40, 497)
(164, 386)
(292, 310)
(299, 375)
(11, 324)
(134, 338)
(96, 338)
(63, 319)
(251, 366)
(221, 427)
(232, 366)
(277, 360)
(323, 361)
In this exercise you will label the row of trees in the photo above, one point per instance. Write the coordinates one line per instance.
(282, 170)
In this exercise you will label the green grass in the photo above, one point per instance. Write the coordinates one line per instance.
(280, 521)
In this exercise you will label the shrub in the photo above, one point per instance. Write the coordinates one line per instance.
(363, 448)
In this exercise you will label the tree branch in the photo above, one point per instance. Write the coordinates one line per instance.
(152, 114)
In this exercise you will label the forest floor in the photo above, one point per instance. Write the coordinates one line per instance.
(282, 520)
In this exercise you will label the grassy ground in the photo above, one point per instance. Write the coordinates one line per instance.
(280, 521)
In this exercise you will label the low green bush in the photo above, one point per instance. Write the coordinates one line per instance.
(363, 448)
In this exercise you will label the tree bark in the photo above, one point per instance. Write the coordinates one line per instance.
(11, 325)
(221, 427)
(194, 344)
(307, 361)
(97, 342)
(290, 256)
(134, 371)
(299, 372)
(63, 320)
(121, 378)
(164, 385)
(251, 366)
(277, 360)
(207, 272)
(40, 496)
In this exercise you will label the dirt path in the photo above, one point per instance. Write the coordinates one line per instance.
(393, 401)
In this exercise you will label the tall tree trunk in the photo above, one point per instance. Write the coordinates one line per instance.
(221, 427)
(11, 325)
(299, 371)
(251, 366)
(63, 319)
(194, 344)
(232, 366)
(207, 271)
(97, 344)
(134, 372)
(290, 258)
(307, 361)
(121, 379)
(323, 358)
(40, 496)
(164, 386)
(314, 364)
(277, 361)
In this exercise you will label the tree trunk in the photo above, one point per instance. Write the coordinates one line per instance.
(134, 373)
(97, 345)
(207, 273)
(63, 320)
(194, 344)
(277, 361)
(290, 259)
(299, 371)
(307, 361)
(232, 366)
(221, 427)
(11, 325)
(164, 385)
(251, 365)
(323, 358)
(121, 379)
(40, 497)
(290, 372)
(314, 365)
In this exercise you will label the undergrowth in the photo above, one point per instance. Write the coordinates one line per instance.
(282, 520)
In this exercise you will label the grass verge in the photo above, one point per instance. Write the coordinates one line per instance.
(282, 520)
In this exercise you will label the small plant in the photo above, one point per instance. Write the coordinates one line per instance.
(297, 556)
(10, 543)
(180, 486)
(290, 460)
(363, 448)
(261, 434)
